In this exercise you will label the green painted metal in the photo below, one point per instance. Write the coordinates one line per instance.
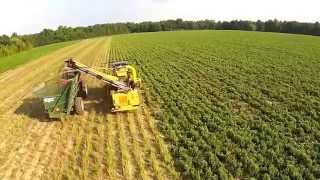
(60, 105)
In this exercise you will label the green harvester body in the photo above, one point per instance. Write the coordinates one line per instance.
(60, 105)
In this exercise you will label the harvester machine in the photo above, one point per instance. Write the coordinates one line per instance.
(121, 80)
(69, 98)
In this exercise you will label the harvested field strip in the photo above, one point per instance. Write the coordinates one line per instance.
(24, 150)
(98, 145)
(110, 148)
(12, 123)
(137, 147)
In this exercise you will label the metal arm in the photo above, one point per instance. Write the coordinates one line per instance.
(109, 79)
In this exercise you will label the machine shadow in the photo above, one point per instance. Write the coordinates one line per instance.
(34, 109)
(98, 100)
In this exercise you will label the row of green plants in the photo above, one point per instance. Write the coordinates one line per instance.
(233, 104)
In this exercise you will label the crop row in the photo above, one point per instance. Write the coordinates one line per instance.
(231, 106)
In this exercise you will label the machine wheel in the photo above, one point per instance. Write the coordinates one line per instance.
(83, 90)
(79, 106)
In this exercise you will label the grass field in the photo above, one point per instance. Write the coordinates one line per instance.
(216, 104)
(11, 62)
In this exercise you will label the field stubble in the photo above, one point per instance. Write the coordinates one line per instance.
(98, 145)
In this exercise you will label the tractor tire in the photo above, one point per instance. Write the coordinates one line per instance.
(83, 90)
(79, 106)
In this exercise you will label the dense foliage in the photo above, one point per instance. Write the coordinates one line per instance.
(232, 103)
(47, 36)
(13, 44)
(268, 26)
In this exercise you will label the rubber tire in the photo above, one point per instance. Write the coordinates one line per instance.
(79, 106)
(83, 90)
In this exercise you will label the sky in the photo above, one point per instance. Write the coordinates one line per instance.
(31, 16)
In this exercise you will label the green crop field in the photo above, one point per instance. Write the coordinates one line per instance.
(10, 62)
(231, 103)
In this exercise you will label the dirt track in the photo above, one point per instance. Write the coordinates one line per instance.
(98, 145)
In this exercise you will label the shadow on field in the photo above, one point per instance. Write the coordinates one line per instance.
(33, 108)
(98, 100)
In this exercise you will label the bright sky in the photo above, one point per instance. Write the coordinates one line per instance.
(31, 16)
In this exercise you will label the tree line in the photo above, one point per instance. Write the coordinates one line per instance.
(267, 26)
(13, 44)
(16, 43)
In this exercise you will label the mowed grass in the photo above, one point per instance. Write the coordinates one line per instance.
(232, 104)
(11, 62)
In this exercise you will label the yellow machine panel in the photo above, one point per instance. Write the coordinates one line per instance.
(125, 101)
(122, 72)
